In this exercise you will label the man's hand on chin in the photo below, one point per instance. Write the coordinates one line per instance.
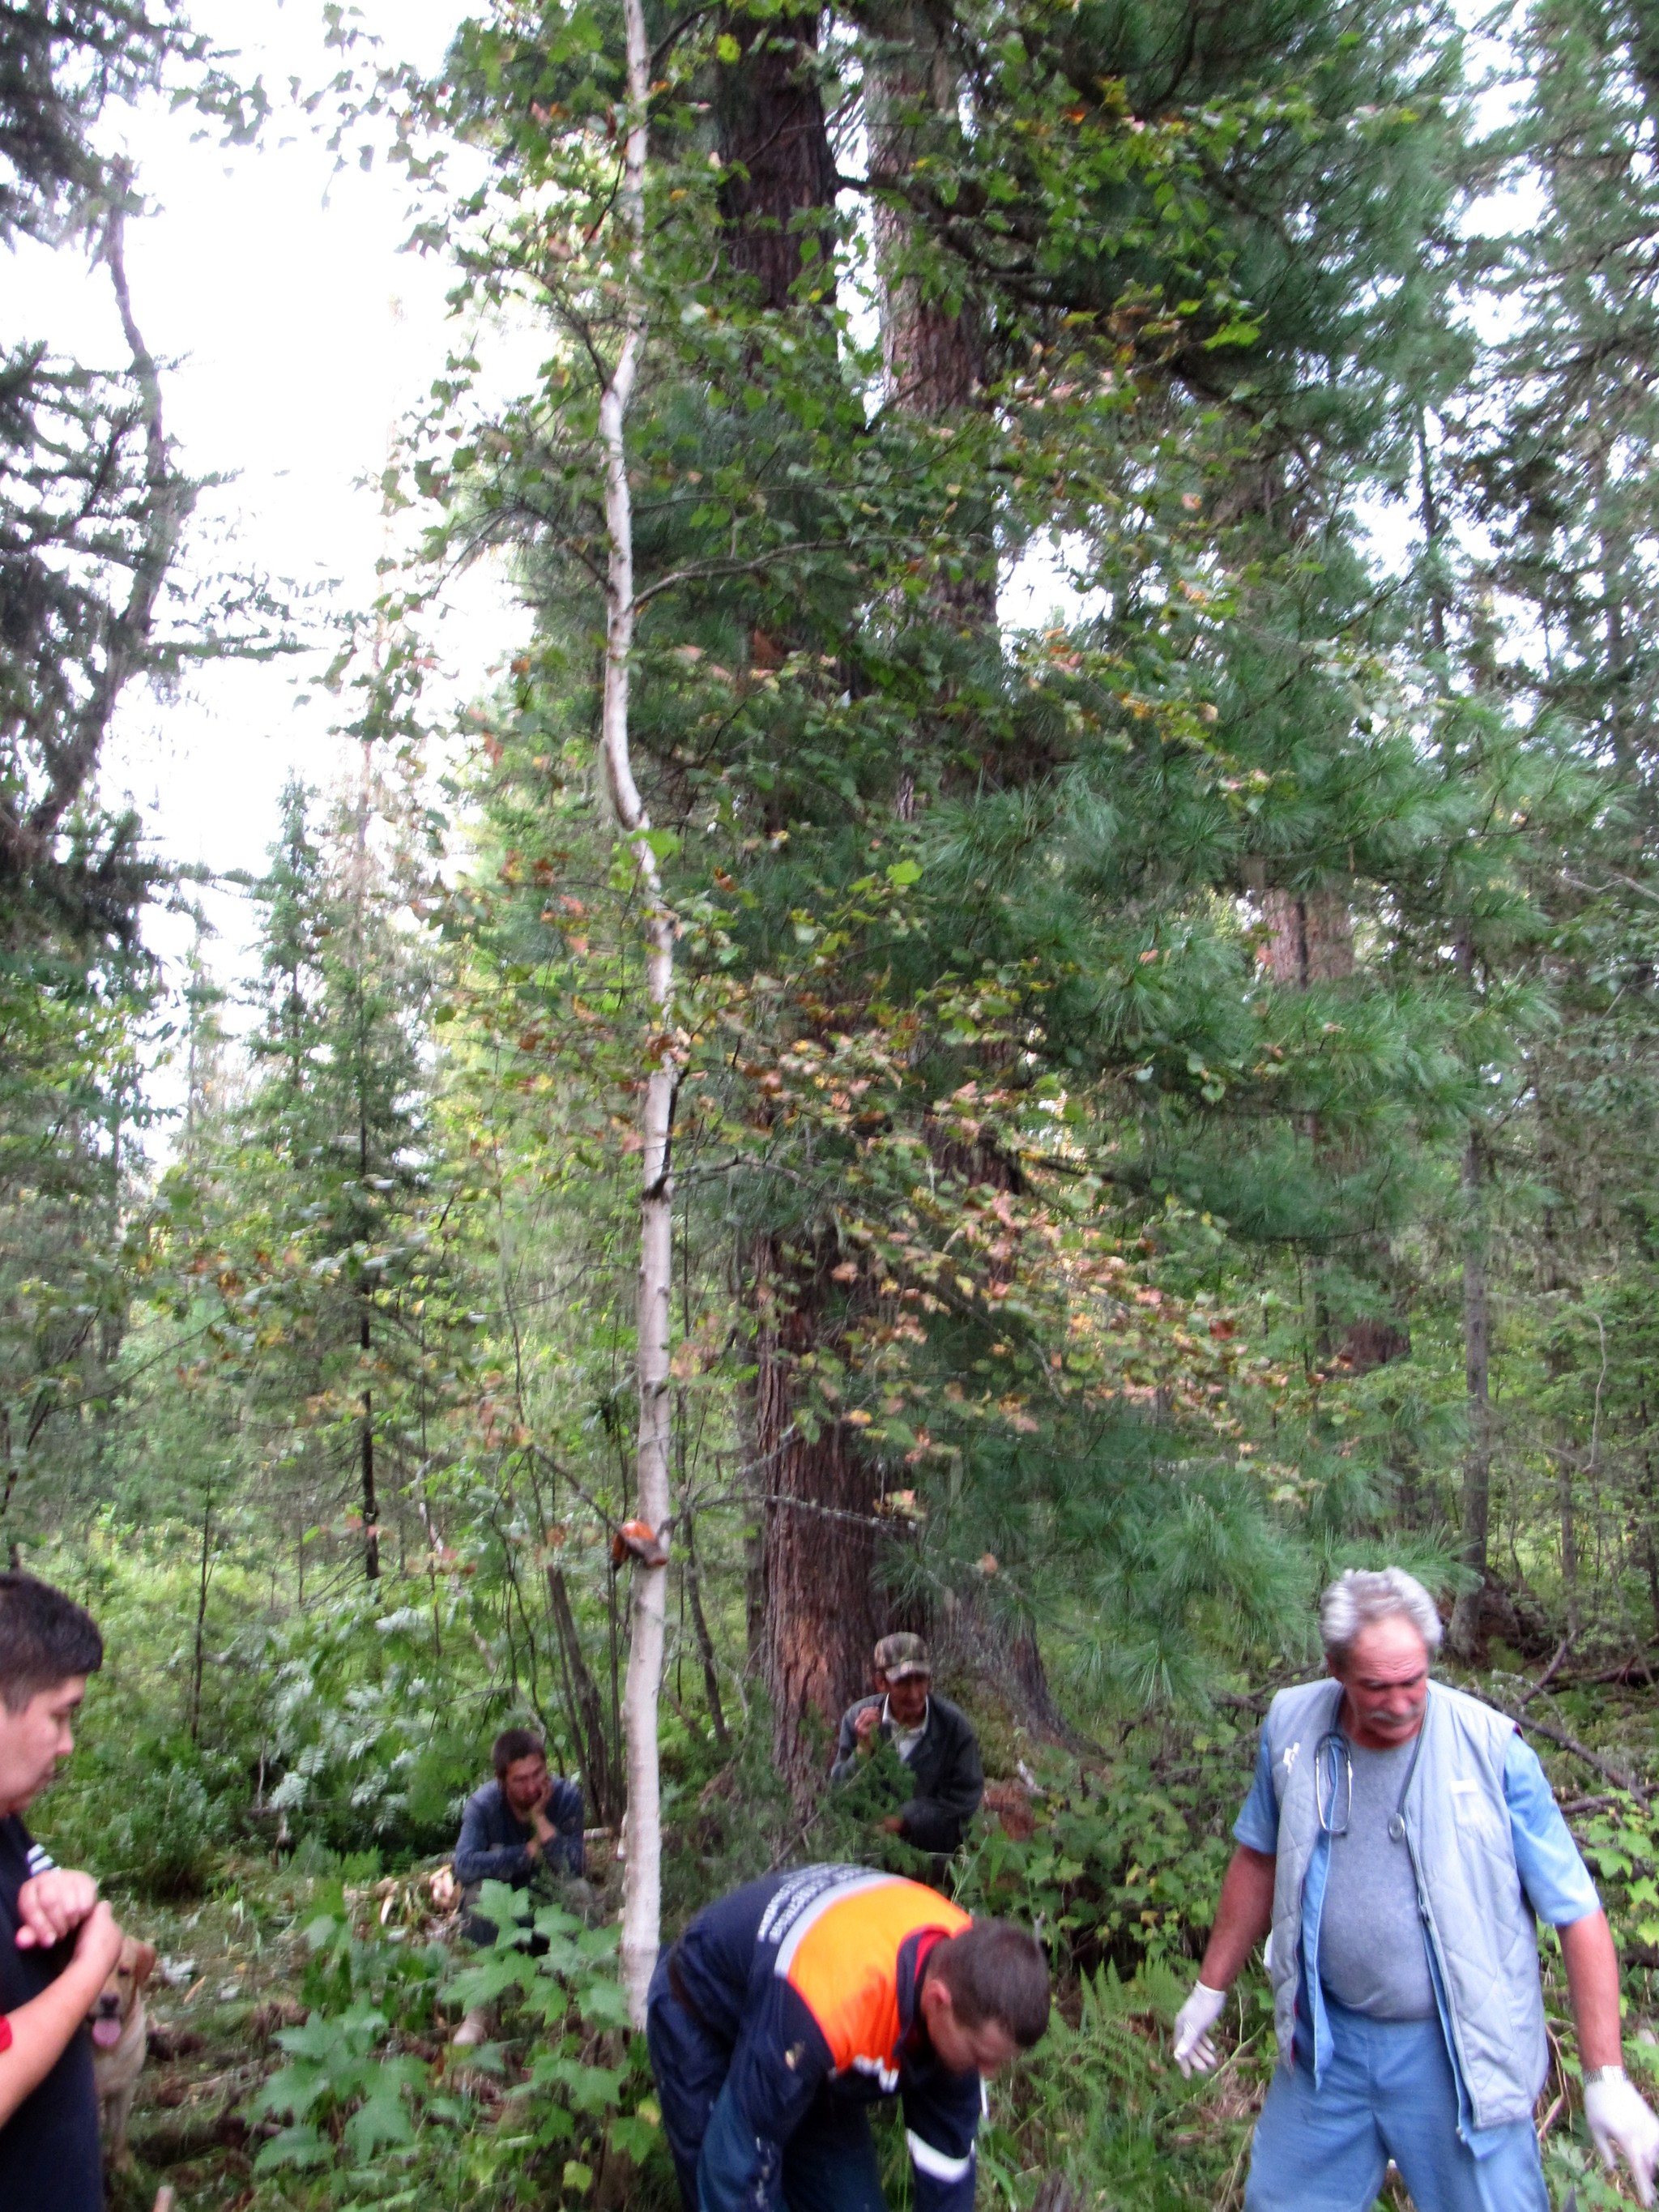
(50, 1904)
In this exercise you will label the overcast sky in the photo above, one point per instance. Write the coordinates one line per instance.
(298, 334)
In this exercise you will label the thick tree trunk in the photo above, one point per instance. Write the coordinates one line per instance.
(822, 1612)
(1465, 1634)
(1311, 941)
(974, 1640)
(1310, 936)
(933, 350)
(813, 1612)
(778, 191)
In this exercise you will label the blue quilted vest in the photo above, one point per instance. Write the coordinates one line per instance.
(1482, 1938)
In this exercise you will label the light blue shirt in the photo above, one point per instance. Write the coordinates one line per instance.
(1553, 1875)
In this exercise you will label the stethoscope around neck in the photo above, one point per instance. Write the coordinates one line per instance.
(1333, 1781)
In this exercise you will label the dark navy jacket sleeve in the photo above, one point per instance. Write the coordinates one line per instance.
(565, 1809)
(479, 1857)
(941, 2121)
(780, 2064)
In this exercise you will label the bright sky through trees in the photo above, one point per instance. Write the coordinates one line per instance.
(296, 334)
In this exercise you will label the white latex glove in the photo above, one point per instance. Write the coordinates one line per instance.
(1194, 2053)
(1620, 2120)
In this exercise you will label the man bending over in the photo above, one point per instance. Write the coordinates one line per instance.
(789, 2007)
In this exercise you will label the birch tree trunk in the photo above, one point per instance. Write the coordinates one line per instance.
(643, 1885)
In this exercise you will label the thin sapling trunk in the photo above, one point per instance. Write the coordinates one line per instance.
(642, 1886)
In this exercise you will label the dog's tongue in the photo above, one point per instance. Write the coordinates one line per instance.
(106, 2033)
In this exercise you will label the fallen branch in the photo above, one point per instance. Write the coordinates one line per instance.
(1550, 1672)
(1627, 1670)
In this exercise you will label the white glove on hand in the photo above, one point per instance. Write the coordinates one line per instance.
(1194, 2053)
(1620, 2120)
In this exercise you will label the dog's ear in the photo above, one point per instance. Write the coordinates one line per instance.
(143, 1963)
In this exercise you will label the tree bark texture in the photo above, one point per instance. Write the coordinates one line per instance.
(1310, 936)
(1477, 1365)
(778, 186)
(974, 1639)
(813, 1613)
(932, 351)
(1311, 941)
(822, 1610)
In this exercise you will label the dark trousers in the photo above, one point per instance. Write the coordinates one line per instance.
(829, 2163)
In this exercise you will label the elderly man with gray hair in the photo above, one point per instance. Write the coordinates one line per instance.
(1398, 1842)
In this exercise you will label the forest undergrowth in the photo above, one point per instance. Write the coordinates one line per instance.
(299, 2016)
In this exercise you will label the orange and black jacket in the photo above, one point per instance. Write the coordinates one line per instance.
(810, 1980)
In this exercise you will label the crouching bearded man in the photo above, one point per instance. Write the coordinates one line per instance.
(1399, 1841)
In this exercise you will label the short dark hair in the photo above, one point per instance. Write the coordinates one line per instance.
(44, 1639)
(514, 1744)
(996, 1972)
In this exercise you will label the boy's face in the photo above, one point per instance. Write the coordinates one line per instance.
(34, 1739)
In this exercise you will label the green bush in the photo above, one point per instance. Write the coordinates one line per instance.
(360, 2104)
(153, 1813)
(164, 1839)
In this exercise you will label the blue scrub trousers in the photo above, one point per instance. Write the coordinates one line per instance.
(830, 2163)
(1389, 2092)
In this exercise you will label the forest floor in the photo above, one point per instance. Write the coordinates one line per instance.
(224, 1985)
(1121, 1861)
(228, 1980)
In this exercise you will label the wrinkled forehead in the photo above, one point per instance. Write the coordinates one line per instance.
(1387, 1650)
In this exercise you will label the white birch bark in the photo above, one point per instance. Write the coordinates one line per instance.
(643, 1885)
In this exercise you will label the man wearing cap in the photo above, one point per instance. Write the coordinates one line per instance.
(933, 1738)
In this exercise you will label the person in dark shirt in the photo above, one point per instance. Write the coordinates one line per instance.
(788, 2007)
(59, 1941)
(934, 1739)
(526, 1820)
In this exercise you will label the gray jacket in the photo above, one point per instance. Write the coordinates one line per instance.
(1482, 1939)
